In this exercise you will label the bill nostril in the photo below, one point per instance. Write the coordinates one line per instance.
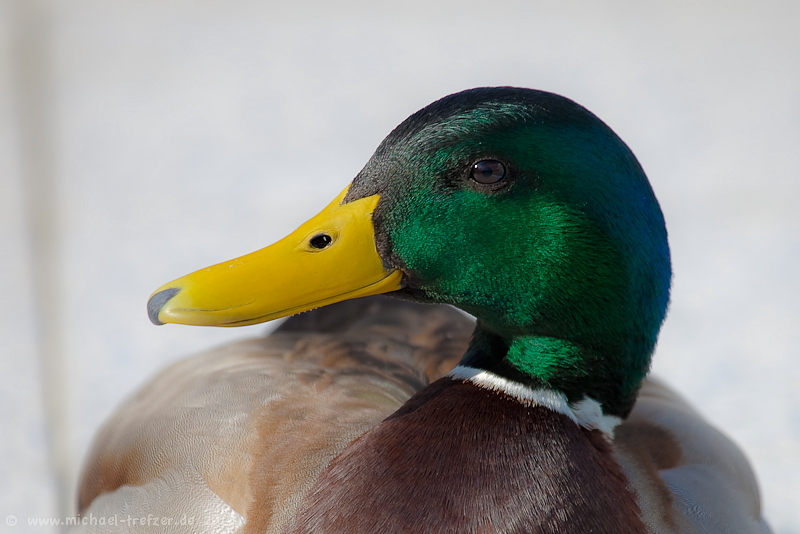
(320, 241)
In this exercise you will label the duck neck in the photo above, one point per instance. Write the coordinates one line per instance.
(609, 378)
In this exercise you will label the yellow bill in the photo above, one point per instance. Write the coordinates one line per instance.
(330, 258)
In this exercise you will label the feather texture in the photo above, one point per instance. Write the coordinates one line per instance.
(234, 439)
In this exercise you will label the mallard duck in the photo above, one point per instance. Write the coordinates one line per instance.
(517, 206)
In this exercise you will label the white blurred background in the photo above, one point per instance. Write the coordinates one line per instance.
(143, 139)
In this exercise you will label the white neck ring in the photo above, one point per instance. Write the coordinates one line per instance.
(586, 412)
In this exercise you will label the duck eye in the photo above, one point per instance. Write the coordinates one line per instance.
(488, 171)
(320, 241)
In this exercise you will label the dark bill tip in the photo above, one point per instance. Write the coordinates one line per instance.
(157, 302)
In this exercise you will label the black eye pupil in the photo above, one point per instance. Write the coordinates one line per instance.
(488, 171)
(320, 241)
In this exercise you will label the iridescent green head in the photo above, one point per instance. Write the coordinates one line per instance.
(518, 206)
(524, 209)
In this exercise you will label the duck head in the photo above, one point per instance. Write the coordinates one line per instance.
(518, 206)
